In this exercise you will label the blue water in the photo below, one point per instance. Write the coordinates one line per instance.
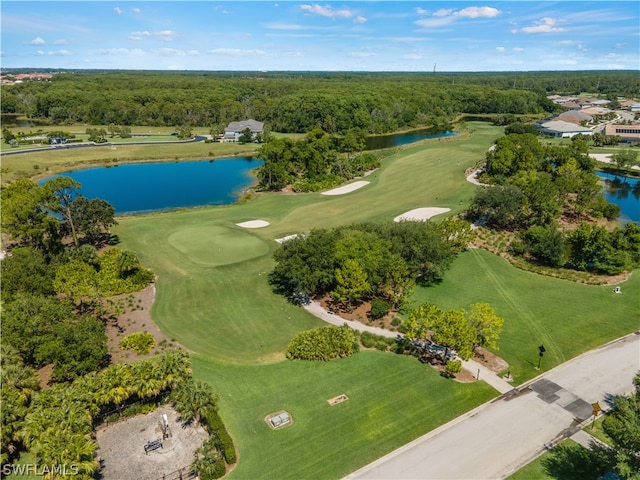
(625, 192)
(149, 187)
(398, 139)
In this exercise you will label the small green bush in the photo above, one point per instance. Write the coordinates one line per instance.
(139, 342)
(379, 308)
(454, 366)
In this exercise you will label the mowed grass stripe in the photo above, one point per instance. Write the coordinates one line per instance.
(572, 318)
(527, 318)
(385, 410)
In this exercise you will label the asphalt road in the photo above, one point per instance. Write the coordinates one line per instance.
(503, 435)
(68, 146)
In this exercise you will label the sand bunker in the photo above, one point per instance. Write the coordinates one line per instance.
(253, 224)
(289, 237)
(420, 214)
(347, 188)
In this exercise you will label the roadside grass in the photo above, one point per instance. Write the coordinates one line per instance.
(392, 399)
(537, 469)
(595, 429)
(566, 317)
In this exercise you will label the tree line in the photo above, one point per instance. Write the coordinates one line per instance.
(317, 162)
(375, 103)
(536, 189)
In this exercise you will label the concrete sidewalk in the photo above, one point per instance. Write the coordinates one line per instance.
(503, 435)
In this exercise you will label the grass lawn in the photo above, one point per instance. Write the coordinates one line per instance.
(567, 318)
(220, 305)
(392, 400)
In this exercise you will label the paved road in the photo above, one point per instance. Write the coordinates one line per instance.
(501, 436)
(68, 146)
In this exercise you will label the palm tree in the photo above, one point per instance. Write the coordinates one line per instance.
(173, 368)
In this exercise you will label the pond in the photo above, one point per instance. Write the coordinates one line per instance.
(150, 187)
(397, 139)
(624, 192)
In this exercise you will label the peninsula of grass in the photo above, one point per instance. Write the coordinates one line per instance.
(226, 313)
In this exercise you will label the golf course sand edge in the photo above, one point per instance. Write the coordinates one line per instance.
(347, 188)
(421, 214)
(253, 224)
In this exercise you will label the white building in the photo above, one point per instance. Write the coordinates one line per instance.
(560, 129)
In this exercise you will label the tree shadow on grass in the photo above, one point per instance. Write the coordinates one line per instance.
(574, 462)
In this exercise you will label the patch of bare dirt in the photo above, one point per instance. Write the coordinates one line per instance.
(44, 375)
(136, 317)
(490, 360)
(359, 313)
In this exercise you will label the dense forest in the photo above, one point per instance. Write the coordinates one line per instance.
(298, 102)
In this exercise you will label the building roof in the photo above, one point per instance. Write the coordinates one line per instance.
(252, 124)
(596, 111)
(575, 116)
(564, 127)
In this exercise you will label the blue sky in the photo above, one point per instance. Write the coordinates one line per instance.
(323, 36)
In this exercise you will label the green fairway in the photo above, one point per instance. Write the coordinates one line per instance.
(214, 297)
(214, 245)
(392, 399)
(567, 318)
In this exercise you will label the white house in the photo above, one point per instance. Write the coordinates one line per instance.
(235, 129)
(560, 129)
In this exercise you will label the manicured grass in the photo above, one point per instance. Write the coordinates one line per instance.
(230, 312)
(392, 400)
(566, 317)
(214, 245)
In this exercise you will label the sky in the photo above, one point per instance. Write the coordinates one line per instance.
(416, 36)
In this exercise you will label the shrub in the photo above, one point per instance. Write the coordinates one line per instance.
(322, 344)
(379, 308)
(221, 437)
(454, 366)
(139, 342)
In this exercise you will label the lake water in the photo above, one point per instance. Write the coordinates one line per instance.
(625, 192)
(149, 187)
(398, 139)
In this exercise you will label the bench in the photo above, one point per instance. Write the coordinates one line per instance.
(152, 445)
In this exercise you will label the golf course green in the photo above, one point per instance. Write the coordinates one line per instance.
(214, 298)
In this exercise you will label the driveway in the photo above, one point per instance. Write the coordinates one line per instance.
(501, 436)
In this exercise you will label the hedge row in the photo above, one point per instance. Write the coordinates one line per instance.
(216, 427)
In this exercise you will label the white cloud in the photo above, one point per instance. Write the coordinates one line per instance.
(421, 11)
(500, 49)
(236, 52)
(170, 52)
(37, 41)
(443, 12)
(546, 25)
(118, 10)
(478, 12)
(166, 35)
(445, 16)
(518, 49)
(136, 10)
(359, 19)
(61, 41)
(39, 53)
(59, 53)
(361, 54)
(136, 52)
(327, 11)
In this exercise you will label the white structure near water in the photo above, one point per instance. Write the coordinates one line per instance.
(235, 129)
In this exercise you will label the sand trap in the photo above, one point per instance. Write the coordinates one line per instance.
(289, 237)
(420, 214)
(347, 188)
(253, 224)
